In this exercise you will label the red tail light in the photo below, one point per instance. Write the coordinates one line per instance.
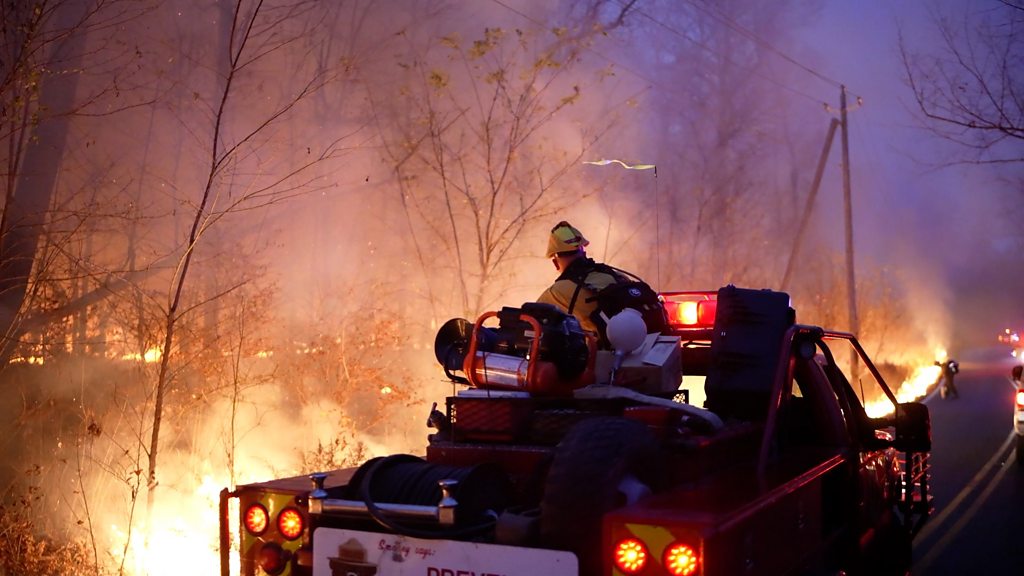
(255, 519)
(690, 310)
(290, 523)
(272, 558)
(681, 560)
(1020, 398)
(630, 556)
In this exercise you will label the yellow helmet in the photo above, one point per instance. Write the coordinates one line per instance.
(565, 238)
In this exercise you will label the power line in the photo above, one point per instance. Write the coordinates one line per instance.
(709, 50)
(749, 34)
(695, 42)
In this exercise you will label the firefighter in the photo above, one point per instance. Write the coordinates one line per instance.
(949, 369)
(581, 279)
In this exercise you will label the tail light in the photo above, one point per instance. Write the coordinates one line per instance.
(690, 310)
(256, 519)
(630, 556)
(1020, 398)
(290, 523)
(681, 560)
(272, 558)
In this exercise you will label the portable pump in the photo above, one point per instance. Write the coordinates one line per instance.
(536, 348)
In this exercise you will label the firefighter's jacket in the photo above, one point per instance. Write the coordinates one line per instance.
(560, 293)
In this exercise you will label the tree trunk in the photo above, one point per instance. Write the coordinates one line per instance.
(25, 213)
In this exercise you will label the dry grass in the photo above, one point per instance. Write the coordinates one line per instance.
(25, 550)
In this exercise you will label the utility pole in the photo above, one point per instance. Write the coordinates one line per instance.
(851, 286)
(805, 219)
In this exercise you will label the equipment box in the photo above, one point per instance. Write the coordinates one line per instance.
(656, 368)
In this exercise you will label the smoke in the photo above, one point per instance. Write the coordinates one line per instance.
(364, 270)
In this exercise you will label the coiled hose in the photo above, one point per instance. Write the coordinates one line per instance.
(482, 492)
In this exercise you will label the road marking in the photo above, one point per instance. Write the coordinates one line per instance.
(922, 565)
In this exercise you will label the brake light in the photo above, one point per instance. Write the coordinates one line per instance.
(255, 519)
(1020, 397)
(272, 558)
(630, 556)
(290, 523)
(681, 559)
(689, 310)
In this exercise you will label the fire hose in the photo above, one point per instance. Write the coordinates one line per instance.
(412, 480)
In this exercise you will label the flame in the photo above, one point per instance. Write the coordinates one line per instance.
(149, 356)
(181, 532)
(913, 388)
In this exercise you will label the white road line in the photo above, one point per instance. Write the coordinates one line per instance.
(941, 518)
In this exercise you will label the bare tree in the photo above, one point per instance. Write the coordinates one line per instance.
(972, 91)
(257, 32)
(472, 143)
(47, 48)
(719, 116)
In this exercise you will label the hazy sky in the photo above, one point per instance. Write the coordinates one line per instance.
(951, 218)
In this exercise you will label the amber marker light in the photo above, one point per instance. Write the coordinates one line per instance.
(630, 556)
(290, 523)
(681, 560)
(255, 519)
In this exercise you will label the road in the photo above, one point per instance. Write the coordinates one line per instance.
(978, 523)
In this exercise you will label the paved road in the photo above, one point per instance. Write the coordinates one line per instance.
(978, 524)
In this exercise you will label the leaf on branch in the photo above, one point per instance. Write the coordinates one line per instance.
(546, 61)
(491, 38)
(451, 41)
(438, 79)
(572, 98)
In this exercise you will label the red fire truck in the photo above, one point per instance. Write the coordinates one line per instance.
(554, 458)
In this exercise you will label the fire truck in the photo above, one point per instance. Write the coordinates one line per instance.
(736, 442)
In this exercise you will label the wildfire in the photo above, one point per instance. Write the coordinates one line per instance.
(150, 356)
(913, 388)
(175, 537)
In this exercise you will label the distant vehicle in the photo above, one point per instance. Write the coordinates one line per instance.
(1009, 337)
(1012, 339)
(1018, 412)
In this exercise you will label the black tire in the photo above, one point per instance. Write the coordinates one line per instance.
(1020, 450)
(899, 550)
(890, 554)
(591, 465)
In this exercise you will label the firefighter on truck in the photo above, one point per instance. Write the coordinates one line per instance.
(556, 456)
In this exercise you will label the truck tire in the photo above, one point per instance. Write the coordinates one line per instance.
(899, 550)
(1020, 449)
(890, 555)
(602, 463)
